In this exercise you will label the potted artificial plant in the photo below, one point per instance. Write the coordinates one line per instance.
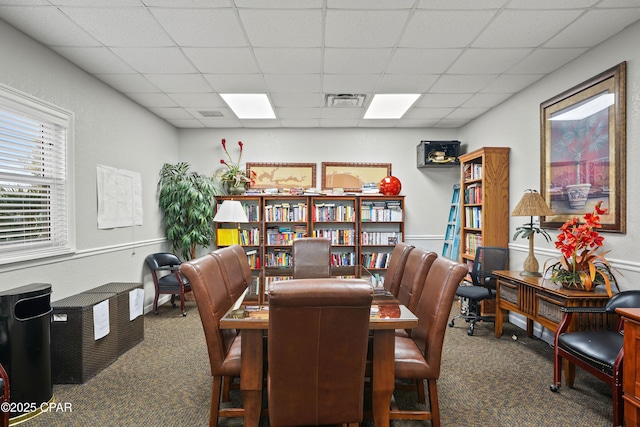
(187, 200)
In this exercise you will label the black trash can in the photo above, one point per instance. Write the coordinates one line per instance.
(25, 345)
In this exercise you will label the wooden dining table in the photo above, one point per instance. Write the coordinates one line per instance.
(387, 315)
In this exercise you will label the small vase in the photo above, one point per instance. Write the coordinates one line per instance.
(577, 194)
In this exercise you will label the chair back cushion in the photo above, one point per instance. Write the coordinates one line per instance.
(626, 299)
(396, 267)
(488, 259)
(317, 348)
(235, 269)
(434, 308)
(311, 257)
(213, 301)
(162, 259)
(415, 271)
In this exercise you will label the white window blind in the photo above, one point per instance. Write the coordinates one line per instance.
(34, 181)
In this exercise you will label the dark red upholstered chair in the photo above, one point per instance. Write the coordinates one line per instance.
(223, 345)
(599, 352)
(172, 283)
(317, 347)
(418, 356)
(396, 267)
(311, 257)
(4, 396)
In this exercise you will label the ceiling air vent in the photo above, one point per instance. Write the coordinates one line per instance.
(211, 113)
(343, 100)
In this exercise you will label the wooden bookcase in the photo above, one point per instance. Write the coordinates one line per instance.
(484, 213)
(363, 229)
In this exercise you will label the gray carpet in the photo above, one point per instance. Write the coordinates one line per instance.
(166, 381)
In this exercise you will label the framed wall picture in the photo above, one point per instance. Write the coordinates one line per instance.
(583, 150)
(282, 175)
(351, 176)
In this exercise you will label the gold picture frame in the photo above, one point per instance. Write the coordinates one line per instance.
(583, 150)
(351, 176)
(282, 175)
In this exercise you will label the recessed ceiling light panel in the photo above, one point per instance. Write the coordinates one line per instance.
(390, 106)
(249, 105)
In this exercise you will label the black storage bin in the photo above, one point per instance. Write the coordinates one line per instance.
(76, 355)
(130, 332)
(25, 350)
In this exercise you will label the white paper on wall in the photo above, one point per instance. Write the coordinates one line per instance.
(101, 320)
(119, 197)
(136, 303)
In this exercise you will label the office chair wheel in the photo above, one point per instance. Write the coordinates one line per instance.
(451, 323)
(554, 388)
(156, 312)
(184, 314)
(471, 328)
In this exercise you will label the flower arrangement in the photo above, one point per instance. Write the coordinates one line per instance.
(233, 176)
(580, 267)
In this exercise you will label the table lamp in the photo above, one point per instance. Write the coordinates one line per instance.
(532, 204)
(230, 211)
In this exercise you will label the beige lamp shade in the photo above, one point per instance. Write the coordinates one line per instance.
(231, 211)
(532, 204)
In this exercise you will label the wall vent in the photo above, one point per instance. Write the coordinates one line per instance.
(211, 113)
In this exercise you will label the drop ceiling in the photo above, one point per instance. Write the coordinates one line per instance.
(464, 57)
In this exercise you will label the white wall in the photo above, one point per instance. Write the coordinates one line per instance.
(516, 123)
(109, 130)
(428, 190)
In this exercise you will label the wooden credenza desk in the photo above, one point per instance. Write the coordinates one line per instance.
(540, 300)
(631, 371)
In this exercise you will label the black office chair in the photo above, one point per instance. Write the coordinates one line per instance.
(173, 283)
(487, 259)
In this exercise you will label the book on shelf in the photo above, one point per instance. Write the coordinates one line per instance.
(228, 236)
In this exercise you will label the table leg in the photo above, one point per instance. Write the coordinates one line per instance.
(497, 328)
(251, 375)
(529, 327)
(383, 379)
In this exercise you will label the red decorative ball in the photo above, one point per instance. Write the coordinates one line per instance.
(390, 186)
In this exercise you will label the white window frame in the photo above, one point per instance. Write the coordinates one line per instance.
(61, 237)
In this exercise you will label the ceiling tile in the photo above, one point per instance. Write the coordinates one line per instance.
(342, 113)
(131, 26)
(544, 61)
(349, 83)
(47, 25)
(222, 60)
(202, 113)
(428, 113)
(198, 100)
(186, 123)
(226, 122)
(487, 61)
(171, 113)
(467, 113)
(461, 4)
(202, 28)
(296, 100)
(128, 83)
(152, 100)
(300, 123)
(405, 83)
(422, 61)
(461, 84)
(95, 59)
(370, 4)
(444, 29)
(356, 61)
(511, 83)
(237, 83)
(288, 60)
(174, 83)
(551, 4)
(340, 123)
(435, 100)
(155, 60)
(374, 29)
(283, 28)
(281, 4)
(187, 3)
(485, 100)
(297, 113)
(524, 28)
(294, 82)
(594, 27)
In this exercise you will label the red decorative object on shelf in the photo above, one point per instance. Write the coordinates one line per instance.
(390, 186)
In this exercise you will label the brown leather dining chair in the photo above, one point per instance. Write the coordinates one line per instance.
(418, 356)
(311, 257)
(416, 268)
(396, 267)
(223, 345)
(317, 347)
(235, 269)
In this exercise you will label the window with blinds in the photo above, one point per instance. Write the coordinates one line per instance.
(34, 178)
